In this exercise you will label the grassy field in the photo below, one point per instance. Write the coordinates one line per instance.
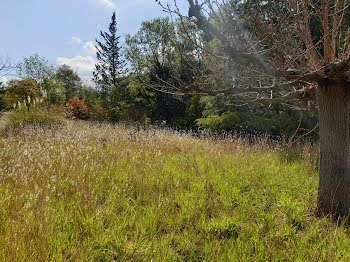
(86, 193)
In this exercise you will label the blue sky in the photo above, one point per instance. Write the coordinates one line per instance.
(64, 31)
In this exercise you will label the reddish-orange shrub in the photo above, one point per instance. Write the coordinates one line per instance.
(77, 108)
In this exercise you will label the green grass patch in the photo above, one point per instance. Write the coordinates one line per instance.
(86, 193)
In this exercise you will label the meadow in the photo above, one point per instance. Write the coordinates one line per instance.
(103, 193)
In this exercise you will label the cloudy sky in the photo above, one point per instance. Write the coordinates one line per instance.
(64, 31)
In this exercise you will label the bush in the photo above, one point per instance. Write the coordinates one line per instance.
(78, 109)
(215, 123)
(127, 113)
(97, 113)
(36, 117)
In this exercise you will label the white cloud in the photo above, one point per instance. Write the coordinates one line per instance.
(90, 48)
(74, 40)
(3, 80)
(107, 3)
(83, 65)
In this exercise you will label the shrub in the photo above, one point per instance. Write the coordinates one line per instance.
(114, 115)
(36, 117)
(215, 123)
(77, 108)
(127, 113)
(97, 113)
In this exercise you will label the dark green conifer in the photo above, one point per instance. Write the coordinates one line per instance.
(110, 66)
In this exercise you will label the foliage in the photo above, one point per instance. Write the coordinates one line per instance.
(119, 93)
(89, 95)
(56, 92)
(130, 101)
(60, 110)
(2, 96)
(274, 121)
(159, 53)
(35, 117)
(127, 113)
(88, 193)
(152, 44)
(194, 110)
(130, 91)
(20, 90)
(69, 79)
(215, 123)
(97, 113)
(77, 108)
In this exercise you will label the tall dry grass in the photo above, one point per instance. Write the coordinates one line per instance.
(104, 193)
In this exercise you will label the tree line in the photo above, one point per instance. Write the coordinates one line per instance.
(128, 87)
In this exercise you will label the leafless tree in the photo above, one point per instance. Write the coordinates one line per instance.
(295, 64)
(5, 66)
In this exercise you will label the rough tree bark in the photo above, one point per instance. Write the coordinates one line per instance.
(334, 177)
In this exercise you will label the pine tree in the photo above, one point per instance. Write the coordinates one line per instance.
(110, 65)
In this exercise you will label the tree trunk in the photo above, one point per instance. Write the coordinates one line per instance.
(334, 177)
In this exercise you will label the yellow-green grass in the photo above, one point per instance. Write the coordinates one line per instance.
(89, 193)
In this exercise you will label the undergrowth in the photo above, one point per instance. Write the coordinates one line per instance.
(39, 117)
(109, 193)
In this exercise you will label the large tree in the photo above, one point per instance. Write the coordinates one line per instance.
(299, 53)
(159, 52)
(69, 79)
(35, 67)
(110, 66)
(154, 52)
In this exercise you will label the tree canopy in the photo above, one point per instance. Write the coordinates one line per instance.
(35, 67)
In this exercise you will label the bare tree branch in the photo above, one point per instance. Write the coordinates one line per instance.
(5, 66)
